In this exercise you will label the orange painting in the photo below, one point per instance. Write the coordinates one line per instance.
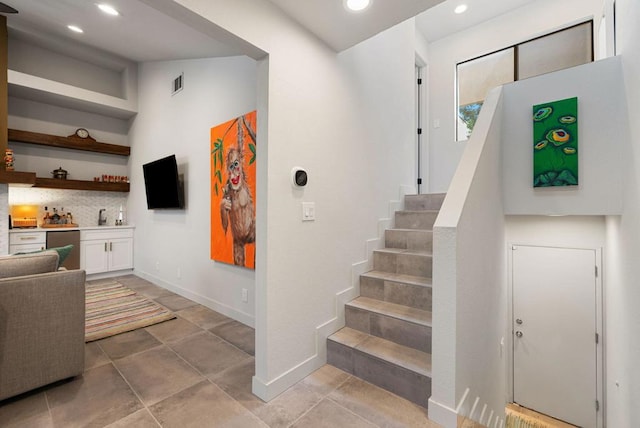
(233, 191)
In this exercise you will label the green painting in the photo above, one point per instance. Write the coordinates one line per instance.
(555, 143)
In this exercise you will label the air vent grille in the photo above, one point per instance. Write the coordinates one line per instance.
(178, 84)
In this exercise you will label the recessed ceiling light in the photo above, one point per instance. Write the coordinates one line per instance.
(461, 8)
(356, 5)
(108, 9)
(75, 28)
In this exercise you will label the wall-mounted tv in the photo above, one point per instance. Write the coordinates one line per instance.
(162, 184)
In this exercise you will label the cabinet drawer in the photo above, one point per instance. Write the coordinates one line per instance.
(27, 238)
(25, 248)
(91, 235)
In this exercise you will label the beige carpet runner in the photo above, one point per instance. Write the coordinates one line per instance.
(112, 308)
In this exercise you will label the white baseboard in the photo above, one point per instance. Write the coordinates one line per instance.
(448, 417)
(269, 390)
(442, 414)
(237, 315)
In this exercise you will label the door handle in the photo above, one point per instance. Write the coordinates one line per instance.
(110, 246)
(518, 334)
(518, 321)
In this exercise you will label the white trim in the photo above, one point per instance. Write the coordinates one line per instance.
(269, 390)
(237, 315)
(444, 415)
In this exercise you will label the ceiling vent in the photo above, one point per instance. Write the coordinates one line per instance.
(178, 84)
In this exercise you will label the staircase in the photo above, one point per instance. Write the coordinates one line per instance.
(387, 337)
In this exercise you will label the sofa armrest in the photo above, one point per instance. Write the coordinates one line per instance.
(41, 329)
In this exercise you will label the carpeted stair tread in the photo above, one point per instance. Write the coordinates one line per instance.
(385, 350)
(399, 277)
(401, 312)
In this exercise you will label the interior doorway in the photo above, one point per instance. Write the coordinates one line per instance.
(556, 332)
(422, 155)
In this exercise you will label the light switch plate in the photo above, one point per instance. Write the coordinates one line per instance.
(308, 211)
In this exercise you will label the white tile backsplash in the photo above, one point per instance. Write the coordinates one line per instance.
(84, 205)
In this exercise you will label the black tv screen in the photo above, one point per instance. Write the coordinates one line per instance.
(162, 184)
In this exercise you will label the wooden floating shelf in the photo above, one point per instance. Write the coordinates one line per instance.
(57, 183)
(18, 177)
(71, 142)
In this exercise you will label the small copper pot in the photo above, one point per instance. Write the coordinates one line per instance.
(60, 173)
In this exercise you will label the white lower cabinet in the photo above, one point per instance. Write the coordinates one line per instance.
(106, 250)
(25, 242)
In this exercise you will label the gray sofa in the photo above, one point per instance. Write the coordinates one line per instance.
(42, 312)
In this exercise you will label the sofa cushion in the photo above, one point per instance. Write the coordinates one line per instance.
(63, 252)
(29, 264)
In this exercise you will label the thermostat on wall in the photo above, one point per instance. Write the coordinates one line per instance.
(299, 177)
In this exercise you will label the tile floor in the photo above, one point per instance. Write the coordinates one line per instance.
(195, 371)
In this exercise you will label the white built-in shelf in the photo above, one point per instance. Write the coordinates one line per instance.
(27, 86)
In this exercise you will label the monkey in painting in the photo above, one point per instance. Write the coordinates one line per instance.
(236, 206)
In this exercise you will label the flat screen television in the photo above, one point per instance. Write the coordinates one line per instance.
(162, 184)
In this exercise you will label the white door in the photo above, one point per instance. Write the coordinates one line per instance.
(554, 325)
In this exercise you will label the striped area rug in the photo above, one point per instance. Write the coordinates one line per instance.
(112, 308)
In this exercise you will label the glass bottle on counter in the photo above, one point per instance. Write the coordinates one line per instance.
(46, 219)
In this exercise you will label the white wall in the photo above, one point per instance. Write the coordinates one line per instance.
(469, 307)
(623, 246)
(556, 231)
(35, 116)
(349, 120)
(172, 246)
(602, 134)
(27, 57)
(534, 19)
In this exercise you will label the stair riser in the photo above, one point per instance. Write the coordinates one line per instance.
(398, 380)
(399, 331)
(403, 263)
(415, 219)
(409, 239)
(415, 296)
(423, 202)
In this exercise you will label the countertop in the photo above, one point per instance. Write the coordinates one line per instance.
(59, 229)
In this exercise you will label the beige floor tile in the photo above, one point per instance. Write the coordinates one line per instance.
(26, 410)
(236, 381)
(93, 356)
(130, 279)
(125, 344)
(97, 398)
(468, 423)
(149, 290)
(203, 317)
(175, 302)
(157, 374)
(203, 405)
(288, 406)
(328, 414)
(379, 406)
(173, 330)
(140, 419)
(238, 334)
(326, 379)
(208, 353)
